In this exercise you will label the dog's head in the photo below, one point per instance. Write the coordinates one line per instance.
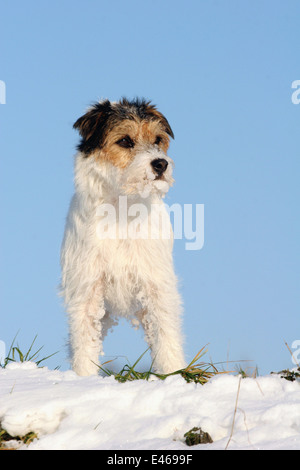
(134, 137)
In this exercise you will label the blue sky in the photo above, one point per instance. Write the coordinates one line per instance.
(222, 74)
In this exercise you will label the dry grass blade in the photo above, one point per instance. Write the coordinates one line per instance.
(199, 372)
(292, 355)
(234, 414)
(198, 355)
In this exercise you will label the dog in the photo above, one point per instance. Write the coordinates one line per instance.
(122, 158)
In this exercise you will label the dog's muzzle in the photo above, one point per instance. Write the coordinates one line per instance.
(159, 165)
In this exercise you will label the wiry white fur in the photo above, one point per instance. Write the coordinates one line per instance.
(106, 278)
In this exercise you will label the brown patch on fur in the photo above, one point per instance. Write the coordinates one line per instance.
(101, 124)
(150, 130)
(143, 133)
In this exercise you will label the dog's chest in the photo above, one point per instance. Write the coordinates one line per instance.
(126, 269)
(131, 243)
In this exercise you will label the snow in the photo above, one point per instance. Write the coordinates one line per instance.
(70, 412)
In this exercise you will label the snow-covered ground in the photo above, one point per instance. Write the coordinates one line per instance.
(71, 412)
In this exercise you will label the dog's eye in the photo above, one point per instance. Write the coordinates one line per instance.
(126, 142)
(158, 140)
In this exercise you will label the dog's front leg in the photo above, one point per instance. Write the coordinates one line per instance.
(85, 314)
(162, 326)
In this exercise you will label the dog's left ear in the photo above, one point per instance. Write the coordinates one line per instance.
(158, 115)
(91, 126)
(167, 127)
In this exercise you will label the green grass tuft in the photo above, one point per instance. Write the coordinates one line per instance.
(16, 355)
(8, 442)
(195, 372)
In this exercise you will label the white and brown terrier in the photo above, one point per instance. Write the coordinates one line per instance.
(121, 155)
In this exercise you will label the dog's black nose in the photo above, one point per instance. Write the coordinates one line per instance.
(159, 165)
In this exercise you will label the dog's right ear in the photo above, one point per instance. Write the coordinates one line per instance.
(92, 125)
